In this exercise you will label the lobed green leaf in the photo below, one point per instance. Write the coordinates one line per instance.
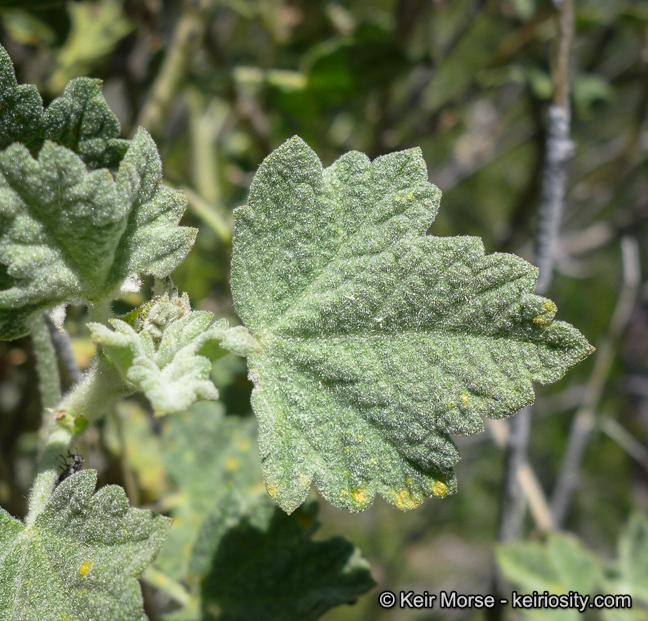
(629, 575)
(70, 235)
(21, 108)
(80, 120)
(80, 559)
(560, 565)
(378, 341)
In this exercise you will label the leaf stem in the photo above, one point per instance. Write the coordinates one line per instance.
(96, 394)
(99, 312)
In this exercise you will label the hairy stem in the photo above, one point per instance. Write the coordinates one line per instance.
(96, 394)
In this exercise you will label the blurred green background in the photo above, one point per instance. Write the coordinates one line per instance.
(221, 83)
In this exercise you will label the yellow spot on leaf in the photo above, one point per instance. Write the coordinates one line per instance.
(272, 492)
(465, 399)
(360, 497)
(439, 489)
(405, 500)
(344, 493)
(232, 464)
(85, 567)
(409, 196)
(550, 306)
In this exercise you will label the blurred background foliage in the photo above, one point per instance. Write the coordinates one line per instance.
(220, 83)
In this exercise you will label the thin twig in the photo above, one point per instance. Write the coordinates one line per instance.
(554, 185)
(186, 37)
(61, 340)
(617, 432)
(584, 421)
(220, 222)
(174, 589)
(535, 496)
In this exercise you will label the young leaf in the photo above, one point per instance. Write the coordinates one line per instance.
(171, 363)
(74, 236)
(283, 575)
(377, 340)
(80, 559)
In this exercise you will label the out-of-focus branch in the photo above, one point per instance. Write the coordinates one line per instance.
(559, 149)
(617, 432)
(527, 479)
(206, 120)
(554, 185)
(186, 38)
(584, 420)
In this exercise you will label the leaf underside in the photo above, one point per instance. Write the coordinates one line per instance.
(378, 341)
(80, 559)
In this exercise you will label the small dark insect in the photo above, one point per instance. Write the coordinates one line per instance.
(68, 469)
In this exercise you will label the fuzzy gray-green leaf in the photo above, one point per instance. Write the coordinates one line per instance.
(560, 565)
(80, 559)
(70, 235)
(378, 341)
